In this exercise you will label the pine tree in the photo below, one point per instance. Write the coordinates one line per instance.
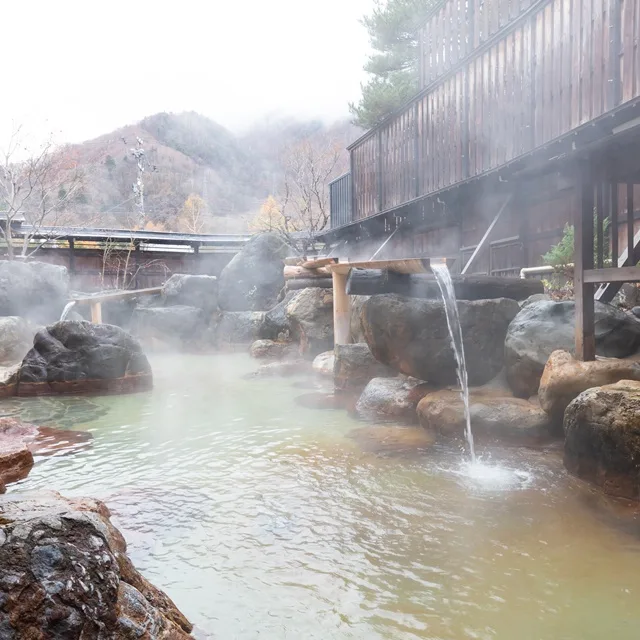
(393, 31)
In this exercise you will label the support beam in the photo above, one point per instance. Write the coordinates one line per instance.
(295, 273)
(483, 243)
(614, 223)
(96, 312)
(585, 306)
(630, 223)
(621, 274)
(341, 309)
(368, 282)
(72, 257)
(136, 263)
(306, 283)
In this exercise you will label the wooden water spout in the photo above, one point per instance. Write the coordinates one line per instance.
(340, 274)
(95, 301)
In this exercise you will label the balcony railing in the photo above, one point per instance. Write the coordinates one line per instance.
(340, 200)
(500, 80)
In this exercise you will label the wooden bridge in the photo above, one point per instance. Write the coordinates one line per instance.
(117, 258)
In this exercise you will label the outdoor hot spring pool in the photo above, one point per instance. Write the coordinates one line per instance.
(263, 517)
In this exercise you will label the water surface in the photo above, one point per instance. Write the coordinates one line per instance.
(265, 518)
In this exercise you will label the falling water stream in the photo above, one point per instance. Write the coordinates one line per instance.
(445, 283)
(67, 309)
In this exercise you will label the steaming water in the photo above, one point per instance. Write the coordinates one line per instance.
(445, 284)
(267, 519)
(67, 308)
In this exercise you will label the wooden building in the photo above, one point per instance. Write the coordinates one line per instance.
(99, 259)
(529, 111)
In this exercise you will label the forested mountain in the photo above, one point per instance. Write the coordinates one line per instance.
(190, 159)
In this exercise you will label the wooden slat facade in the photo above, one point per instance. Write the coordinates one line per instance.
(499, 79)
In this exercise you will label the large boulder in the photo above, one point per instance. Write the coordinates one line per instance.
(240, 327)
(324, 362)
(357, 333)
(355, 366)
(65, 574)
(276, 325)
(178, 327)
(34, 290)
(80, 357)
(310, 314)
(602, 438)
(255, 276)
(392, 398)
(192, 291)
(412, 336)
(543, 327)
(494, 415)
(271, 350)
(16, 338)
(565, 378)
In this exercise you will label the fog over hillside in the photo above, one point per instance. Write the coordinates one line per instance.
(189, 155)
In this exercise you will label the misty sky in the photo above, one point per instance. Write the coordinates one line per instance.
(87, 67)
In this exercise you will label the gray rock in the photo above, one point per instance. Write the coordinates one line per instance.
(323, 363)
(412, 337)
(311, 316)
(636, 312)
(628, 296)
(254, 277)
(177, 327)
(357, 333)
(355, 366)
(80, 356)
(392, 397)
(543, 327)
(70, 555)
(34, 290)
(271, 350)
(276, 325)
(192, 291)
(16, 338)
(536, 297)
(240, 327)
(602, 438)
(118, 312)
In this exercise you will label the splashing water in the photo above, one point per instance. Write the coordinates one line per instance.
(66, 310)
(445, 284)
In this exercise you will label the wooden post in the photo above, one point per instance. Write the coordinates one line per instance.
(96, 312)
(630, 225)
(585, 330)
(136, 264)
(72, 257)
(379, 171)
(341, 308)
(600, 225)
(614, 223)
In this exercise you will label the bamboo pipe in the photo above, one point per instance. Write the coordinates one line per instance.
(291, 273)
